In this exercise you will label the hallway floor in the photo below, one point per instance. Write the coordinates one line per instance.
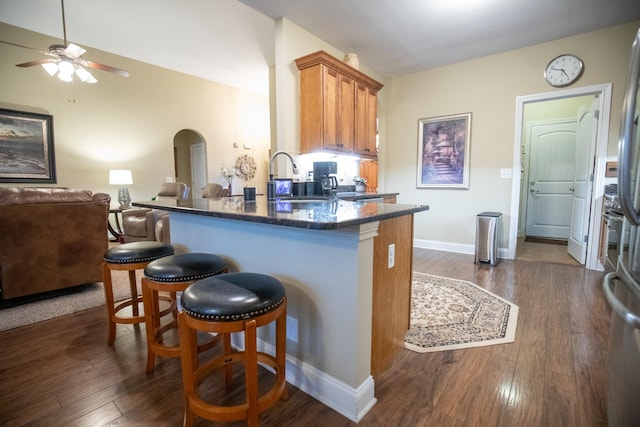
(543, 252)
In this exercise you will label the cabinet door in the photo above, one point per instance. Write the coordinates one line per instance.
(369, 171)
(365, 122)
(346, 118)
(331, 109)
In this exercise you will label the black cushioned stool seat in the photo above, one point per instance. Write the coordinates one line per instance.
(128, 257)
(172, 274)
(233, 302)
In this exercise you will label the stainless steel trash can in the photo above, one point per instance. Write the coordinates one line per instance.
(487, 232)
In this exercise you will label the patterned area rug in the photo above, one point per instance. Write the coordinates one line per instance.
(449, 314)
(81, 298)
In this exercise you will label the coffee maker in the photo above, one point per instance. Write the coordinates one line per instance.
(324, 177)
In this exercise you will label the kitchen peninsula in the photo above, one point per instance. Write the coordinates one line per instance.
(346, 267)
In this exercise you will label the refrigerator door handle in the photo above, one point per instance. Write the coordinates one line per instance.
(615, 303)
(627, 144)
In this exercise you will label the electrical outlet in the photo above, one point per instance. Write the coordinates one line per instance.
(292, 329)
(506, 173)
(392, 255)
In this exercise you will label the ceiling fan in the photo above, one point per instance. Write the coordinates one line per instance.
(65, 59)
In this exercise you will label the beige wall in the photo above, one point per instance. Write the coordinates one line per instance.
(487, 87)
(130, 123)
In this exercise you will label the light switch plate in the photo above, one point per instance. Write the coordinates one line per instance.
(506, 173)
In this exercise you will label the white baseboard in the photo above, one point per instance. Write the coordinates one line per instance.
(349, 402)
(353, 403)
(460, 248)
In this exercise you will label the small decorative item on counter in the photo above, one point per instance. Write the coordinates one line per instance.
(228, 172)
(361, 184)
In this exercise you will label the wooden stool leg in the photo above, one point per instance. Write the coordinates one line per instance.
(189, 362)
(108, 296)
(148, 301)
(251, 372)
(133, 288)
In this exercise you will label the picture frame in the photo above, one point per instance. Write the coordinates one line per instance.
(443, 151)
(26, 147)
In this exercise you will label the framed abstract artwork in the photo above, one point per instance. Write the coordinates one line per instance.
(443, 151)
(26, 147)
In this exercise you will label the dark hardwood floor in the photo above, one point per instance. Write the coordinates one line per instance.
(62, 373)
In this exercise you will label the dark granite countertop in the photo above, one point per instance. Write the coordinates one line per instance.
(318, 214)
(353, 195)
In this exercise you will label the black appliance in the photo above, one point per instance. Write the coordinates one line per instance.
(323, 176)
(321, 169)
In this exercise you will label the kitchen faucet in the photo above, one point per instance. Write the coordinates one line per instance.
(277, 153)
(271, 185)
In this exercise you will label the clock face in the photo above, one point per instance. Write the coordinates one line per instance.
(563, 70)
(246, 166)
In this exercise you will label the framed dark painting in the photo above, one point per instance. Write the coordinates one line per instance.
(26, 147)
(443, 151)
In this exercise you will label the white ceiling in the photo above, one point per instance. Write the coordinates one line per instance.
(232, 42)
(399, 37)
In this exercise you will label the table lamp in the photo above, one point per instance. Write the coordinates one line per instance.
(122, 177)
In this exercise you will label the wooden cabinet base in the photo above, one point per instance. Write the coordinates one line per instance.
(391, 291)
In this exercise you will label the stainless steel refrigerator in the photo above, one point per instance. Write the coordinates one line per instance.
(622, 287)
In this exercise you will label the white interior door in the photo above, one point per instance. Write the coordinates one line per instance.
(198, 169)
(551, 176)
(586, 139)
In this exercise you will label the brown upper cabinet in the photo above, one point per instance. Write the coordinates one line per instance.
(338, 107)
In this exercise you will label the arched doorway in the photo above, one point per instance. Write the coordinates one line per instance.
(190, 160)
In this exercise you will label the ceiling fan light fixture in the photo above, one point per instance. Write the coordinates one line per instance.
(66, 67)
(50, 67)
(65, 77)
(66, 59)
(85, 76)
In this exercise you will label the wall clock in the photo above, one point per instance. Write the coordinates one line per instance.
(563, 70)
(246, 167)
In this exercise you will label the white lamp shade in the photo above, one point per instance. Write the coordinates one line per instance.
(85, 76)
(50, 67)
(120, 177)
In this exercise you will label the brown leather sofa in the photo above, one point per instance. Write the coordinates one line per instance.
(50, 239)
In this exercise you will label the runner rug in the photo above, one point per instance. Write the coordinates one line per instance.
(78, 299)
(450, 314)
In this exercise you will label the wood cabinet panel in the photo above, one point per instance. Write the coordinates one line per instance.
(391, 291)
(311, 116)
(346, 116)
(366, 122)
(369, 171)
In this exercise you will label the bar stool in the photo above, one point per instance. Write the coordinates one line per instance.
(232, 302)
(129, 257)
(173, 274)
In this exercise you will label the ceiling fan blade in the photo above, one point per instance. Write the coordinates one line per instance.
(109, 68)
(23, 46)
(74, 50)
(36, 62)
